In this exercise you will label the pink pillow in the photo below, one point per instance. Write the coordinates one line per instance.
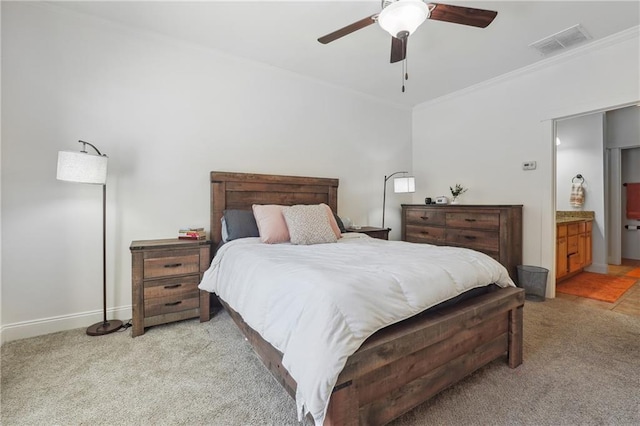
(332, 221)
(271, 224)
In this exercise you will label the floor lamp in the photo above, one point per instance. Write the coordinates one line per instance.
(400, 185)
(83, 167)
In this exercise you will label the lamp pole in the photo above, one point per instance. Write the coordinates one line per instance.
(384, 193)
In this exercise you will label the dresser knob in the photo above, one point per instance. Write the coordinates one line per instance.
(173, 286)
(470, 220)
(173, 304)
(424, 217)
(173, 265)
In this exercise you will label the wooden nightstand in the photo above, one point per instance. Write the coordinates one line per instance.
(372, 231)
(165, 276)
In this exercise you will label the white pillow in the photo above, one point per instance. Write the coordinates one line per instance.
(309, 224)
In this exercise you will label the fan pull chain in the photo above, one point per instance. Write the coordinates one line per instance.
(405, 72)
(406, 68)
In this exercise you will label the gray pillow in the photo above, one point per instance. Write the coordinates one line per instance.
(239, 224)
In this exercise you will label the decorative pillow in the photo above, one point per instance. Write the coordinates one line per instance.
(238, 224)
(332, 221)
(309, 224)
(271, 225)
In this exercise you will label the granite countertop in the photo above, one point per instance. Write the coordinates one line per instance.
(574, 216)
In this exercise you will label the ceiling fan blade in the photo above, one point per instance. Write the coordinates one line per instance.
(462, 15)
(398, 48)
(348, 29)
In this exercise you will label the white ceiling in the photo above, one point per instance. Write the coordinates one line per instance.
(442, 57)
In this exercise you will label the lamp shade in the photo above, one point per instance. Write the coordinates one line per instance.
(404, 184)
(82, 167)
(403, 15)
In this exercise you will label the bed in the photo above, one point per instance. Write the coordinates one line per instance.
(399, 366)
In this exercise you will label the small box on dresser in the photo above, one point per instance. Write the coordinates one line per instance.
(165, 276)
(495, 230)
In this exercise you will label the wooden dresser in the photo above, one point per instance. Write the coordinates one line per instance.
(492, 229)
(165, 277)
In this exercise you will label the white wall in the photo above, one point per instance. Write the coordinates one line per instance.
(582, 152)
(166, 114)
(479, 137)
(623, 127)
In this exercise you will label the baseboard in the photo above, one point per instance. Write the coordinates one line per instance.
(598, 268)
(26, 329)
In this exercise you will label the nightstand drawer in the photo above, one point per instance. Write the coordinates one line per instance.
(166, 266)
(183, 286)
(425, 217)
(474, 220)
(485, 241)
(172, 303)
(425, 234)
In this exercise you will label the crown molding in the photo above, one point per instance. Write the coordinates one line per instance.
(620, 37)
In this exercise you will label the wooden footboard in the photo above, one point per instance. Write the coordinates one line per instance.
(403, 365)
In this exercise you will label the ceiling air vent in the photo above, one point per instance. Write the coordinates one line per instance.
(565, 39)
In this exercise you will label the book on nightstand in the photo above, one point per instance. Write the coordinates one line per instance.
(192, 234)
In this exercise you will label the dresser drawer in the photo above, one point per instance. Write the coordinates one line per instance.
(425, 217)
(485, 241)
(476, 220)
(178, 264)
(425, 234)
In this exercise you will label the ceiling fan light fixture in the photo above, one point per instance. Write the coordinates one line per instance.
(403, 15)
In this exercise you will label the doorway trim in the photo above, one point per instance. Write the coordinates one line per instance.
(550, 126)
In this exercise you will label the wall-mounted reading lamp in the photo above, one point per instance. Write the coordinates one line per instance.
(83, 167)
(400, 185)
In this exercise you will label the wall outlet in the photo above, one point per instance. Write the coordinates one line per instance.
(529, 165)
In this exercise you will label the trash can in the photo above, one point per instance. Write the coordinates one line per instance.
(534, 281)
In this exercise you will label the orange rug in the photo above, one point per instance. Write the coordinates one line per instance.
(607, 288)
(633, 273)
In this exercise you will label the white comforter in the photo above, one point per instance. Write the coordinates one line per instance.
(317, 304)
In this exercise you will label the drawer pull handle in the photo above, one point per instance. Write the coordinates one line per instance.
(173, 304)
(424, 232)
(470, 237)
(173, 286)
(173, 265)
(424, 217)
(470, 220)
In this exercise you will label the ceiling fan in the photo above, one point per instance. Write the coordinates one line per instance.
(401, 18)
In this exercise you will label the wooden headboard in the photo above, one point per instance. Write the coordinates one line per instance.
(242, 190)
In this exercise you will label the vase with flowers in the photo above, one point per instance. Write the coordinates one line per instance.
(456, 192)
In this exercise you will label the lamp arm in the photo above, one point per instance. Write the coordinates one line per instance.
(84, 148)
(386, 178)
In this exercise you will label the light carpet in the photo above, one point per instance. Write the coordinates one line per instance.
(581, 367)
